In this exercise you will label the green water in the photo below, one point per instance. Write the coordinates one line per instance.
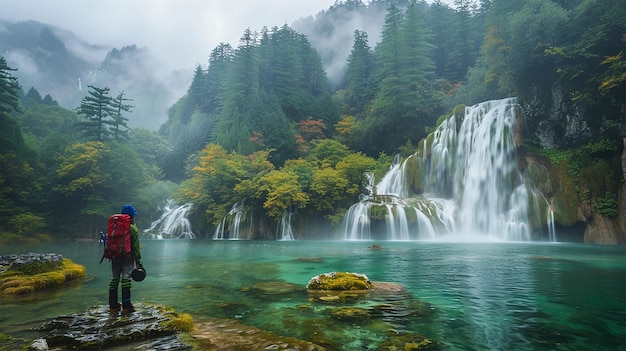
(484, 296)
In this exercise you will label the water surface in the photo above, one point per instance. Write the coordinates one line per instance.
(484, 296)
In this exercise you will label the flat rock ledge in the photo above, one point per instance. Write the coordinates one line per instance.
(151, 328)
(148, 328)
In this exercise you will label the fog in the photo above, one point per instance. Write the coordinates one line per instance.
(175, 36)
(183, 32)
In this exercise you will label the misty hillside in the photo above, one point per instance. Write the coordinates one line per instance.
(60, 64)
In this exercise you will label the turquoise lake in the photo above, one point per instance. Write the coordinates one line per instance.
(484, 296)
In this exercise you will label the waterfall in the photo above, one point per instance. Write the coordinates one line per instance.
(393, 182)
(284, 231)
(237, 214)
(356, 222)
(485, 173)
(472, 188)
(173, 223)
(551, 228)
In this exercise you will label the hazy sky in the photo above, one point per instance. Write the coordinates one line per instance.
(183, 31)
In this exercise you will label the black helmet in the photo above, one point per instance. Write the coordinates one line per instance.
(138, 274)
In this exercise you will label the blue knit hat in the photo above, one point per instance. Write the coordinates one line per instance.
(129, 210)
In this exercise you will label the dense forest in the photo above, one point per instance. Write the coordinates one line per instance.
(262, 125)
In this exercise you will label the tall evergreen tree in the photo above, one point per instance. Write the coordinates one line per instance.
(233, 129)
(220, 59)
(197, 90)
(119, 124)
(12, 149)
(360, 89)
(9, 88)
(96, 107)
(403, 105)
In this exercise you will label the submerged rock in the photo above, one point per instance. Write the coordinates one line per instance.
(275, 288)
(230, 334)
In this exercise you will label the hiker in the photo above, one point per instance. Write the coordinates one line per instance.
(122, 267)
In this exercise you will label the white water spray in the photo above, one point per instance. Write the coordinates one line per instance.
(284, 230)
(237, 213)
(173, 223)
(472, 188)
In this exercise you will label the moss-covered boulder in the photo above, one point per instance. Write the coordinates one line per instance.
(27, 273)
(339, 281)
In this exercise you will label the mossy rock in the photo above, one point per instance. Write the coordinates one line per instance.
(409, 342)
(350, 314)
(274, 288)
(96, 328)
(339, 281)
(14, 282)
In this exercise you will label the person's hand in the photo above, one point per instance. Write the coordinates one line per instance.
(138, 264)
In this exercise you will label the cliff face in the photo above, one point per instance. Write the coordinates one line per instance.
(587, 191)
(580, 166)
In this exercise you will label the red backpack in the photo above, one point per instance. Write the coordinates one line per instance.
(117, 242)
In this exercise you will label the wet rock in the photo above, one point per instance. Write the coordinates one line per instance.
(31, 263)
(339, 281)
(350, 314)
(96, 328)
(39, 345)
(229, 334)
(275, 288)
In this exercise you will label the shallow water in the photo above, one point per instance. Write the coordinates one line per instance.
(484, 296)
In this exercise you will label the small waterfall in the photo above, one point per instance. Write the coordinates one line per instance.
(173, 223)
(356, 222)
(237, 214)
(551, 227)
(472, 187)
(393, 181)
(284, 231)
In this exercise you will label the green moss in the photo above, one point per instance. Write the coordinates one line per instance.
(441, 119)
(176, 322)
(19, 283)
(181, 323)
(608, 205)
(350, 314)
(342, 281)
(378, 212)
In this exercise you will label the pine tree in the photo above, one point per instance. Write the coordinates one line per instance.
(233, 129)
(359, 74)
(9, 88)
(119, 126)
(97, 108)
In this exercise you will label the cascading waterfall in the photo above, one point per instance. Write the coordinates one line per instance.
(393, 183)
(492, 198)
(237, 213)
(173, 223)
(284, 231)
(472, 188)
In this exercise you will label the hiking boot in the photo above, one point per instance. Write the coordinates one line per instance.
(115, 309)
(128, 309)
